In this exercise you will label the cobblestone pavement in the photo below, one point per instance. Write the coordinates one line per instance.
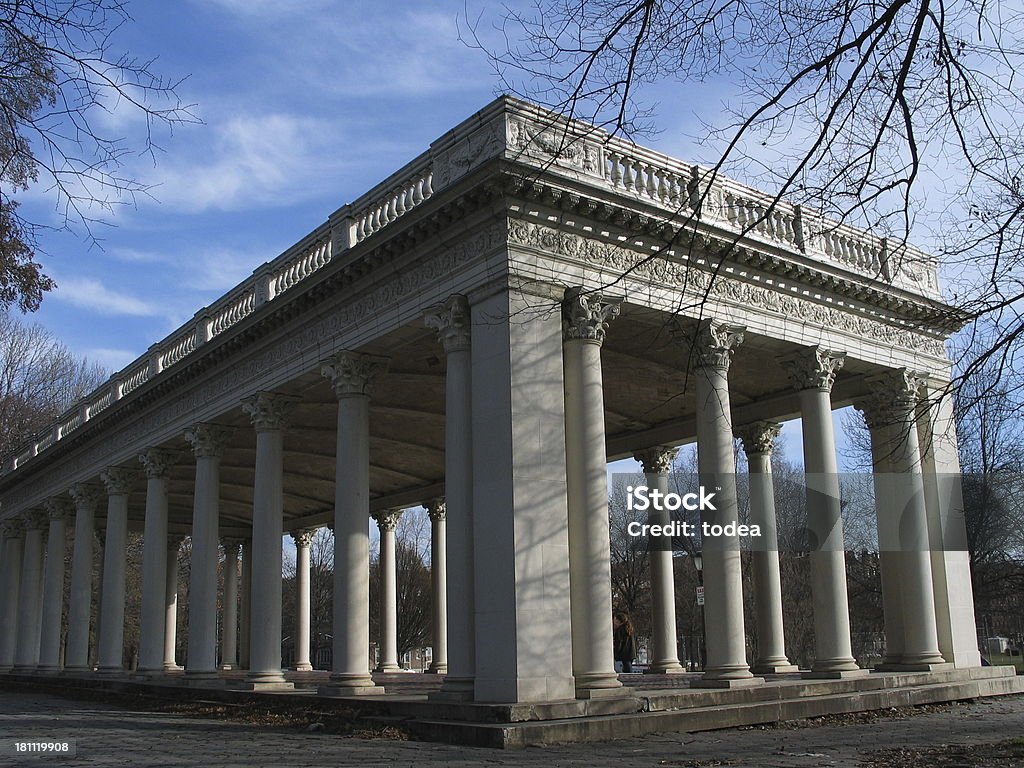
(108, 735)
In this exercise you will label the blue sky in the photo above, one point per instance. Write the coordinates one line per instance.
(304, 106)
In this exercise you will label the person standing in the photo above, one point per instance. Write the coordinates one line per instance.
(624, 641)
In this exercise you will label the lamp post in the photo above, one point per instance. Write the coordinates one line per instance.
(698, 563)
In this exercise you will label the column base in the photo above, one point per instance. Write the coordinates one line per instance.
(50, 669)
(438, 669)
(5, 669)
(111, 672)
(727, 682)
(351, 686)
(841, 664)
(671, 667)
(911, 667)
(774, 669)
(24, 669)
(77, 671)
(227, 667)
(304, 667)
(622, 692)
(260, 685)
(388, 668)
(835, 674)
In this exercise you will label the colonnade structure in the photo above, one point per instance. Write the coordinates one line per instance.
(481, 333)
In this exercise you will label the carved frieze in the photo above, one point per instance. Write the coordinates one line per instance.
(660, 271)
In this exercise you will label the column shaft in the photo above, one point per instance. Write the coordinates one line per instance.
(153, 614)
(229, 632)
(758, 442)
(171, 605)
(26, 655)
(243, 611)
(664, 659)
(352, 375)
(76, 654)
(303, 541)
(53, 586)
(14, 541)
(723, 581)
(439, 585)
(207, 444)
(593, 661)
(267, 411)
(111, 653)
(386, 522)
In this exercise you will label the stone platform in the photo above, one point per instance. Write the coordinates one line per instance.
(653, 704)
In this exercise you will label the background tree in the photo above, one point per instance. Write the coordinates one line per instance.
(39, 379)
(59, 70)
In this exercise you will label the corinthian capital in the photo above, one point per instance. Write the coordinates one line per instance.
(207, 440)
(84, 495)
(118, 480)
(303, 538)
(452, 322)
(657, 460)
(758, 437)
(58, 508)
(156, 462)
(12, 528)
(437, 509)
(354, 373)
(585, 316)
(814, 368)
(387, 519)
(34, 519)
(268, 410)
(893, 397)
(711, 343)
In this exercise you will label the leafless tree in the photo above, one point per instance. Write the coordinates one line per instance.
(898, 115)
(60, 70)
(39, 379)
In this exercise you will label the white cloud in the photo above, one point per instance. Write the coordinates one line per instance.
(110, 359)
(90, 294)
(251, 160)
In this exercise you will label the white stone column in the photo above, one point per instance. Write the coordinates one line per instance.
(437, 511)
(243, 612)
(894, 412)
(208, 442)
(59, 510)
(657, 463)
(352, 375)
(585, 318)
(118, 482)
(303, 540)
(171, 604)
(268, 412)
(451, 320)
(76, 654)
(813, 372)
(387, 520)
(26, 654)
(101, 540)
(758, 442)
(153, 614)
(713, 345)
(951, 562)
(886, 507)
(229, 621)
(10, 570)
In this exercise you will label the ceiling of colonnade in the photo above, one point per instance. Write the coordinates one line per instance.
(648, 401)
